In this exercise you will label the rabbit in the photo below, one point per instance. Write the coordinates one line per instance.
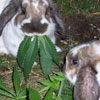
(86, 86)
(80, 56)
(20, 18)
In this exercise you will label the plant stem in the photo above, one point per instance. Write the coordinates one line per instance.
(61, 88)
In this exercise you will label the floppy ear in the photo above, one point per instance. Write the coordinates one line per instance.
(8, 13)
(57, 17)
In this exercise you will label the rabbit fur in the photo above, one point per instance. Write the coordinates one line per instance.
(80, 56)
(29, 17)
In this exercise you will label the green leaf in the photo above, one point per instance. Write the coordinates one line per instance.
(16, 81)
(24, 46)
(33, 94)
(5, 94)
(52, 50)
(59, 74)
(59, 78)
(30, 57)
(46, 83)
(23, 95)
(44, 89)
(49, 95)
(27, 54)
(6, 89)
(45, 58)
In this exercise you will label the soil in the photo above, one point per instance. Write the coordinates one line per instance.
(82, 28)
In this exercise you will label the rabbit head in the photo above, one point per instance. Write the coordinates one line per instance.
(80, 56)
(34, 17)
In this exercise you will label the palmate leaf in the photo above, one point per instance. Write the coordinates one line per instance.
(45, 58)
(26, 59)
(16, 81)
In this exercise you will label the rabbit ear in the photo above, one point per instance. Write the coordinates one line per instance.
(8, 13)
(57, 17)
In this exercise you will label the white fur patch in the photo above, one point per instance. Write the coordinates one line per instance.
(44, 20)
(98, 72)
(71, 79)
(45, 2)
(67, 62)
(99, 98)
(98, 67)
(3, 4)
(3, 49)
(28, 20)
(58, 49)
(98, 78)
(35, 4)
(96, 48)
(26, 1)
(76, 49)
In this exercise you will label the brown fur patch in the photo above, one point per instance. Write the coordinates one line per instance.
(86, 87)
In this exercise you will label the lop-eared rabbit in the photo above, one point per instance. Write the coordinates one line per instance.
(82, 69)
(27, 17)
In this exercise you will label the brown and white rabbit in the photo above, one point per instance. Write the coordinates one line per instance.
(27, 17)
(81, 56)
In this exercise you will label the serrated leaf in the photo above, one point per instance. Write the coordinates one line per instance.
(6, 89)
(16, 81)
(27, 54)
(30, 57)
(24, 46)
(45, 58)
(33, 94)
(49, 95)
(52, 50)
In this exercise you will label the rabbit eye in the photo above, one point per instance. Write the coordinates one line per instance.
(75, 61)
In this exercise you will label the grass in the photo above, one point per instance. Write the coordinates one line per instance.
(67, 7)
(84, 6)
